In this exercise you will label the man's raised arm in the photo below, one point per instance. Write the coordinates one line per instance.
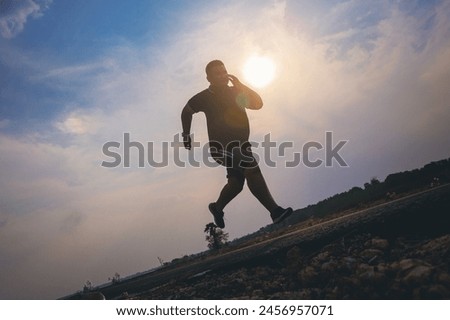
(252, 99)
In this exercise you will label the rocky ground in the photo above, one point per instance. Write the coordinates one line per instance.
(360, 266)
(403, 257)
(395, 250)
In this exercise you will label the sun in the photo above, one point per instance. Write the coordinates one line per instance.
(259, 71)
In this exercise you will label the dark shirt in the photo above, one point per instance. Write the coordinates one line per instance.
(225, 113)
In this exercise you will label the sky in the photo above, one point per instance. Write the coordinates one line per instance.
(75, 75)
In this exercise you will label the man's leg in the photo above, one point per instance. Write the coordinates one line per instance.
(233, 187)
(243, 158)
(259, 189)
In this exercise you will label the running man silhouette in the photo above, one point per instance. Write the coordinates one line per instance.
(229, 130)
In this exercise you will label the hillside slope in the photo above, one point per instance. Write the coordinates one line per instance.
(395, 250)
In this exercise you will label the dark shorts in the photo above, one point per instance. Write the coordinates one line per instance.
(236, 157)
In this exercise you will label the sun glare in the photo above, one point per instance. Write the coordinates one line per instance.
(259, 71)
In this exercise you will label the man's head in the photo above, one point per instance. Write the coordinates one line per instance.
(216, 73)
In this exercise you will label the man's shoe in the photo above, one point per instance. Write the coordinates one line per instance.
(217, 214)
(280, 214)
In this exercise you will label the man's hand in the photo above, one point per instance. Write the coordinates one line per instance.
(234, 81)
(254, 100)
(187, 141)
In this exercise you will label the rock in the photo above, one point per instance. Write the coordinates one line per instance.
(407, 264)
(257, 294)
(371, 254)
(329, 266)
(383, 268)
(272, 287)
(443, 278)
(418, 275)
(322, 257)
(367, 275)
(348, 264)
(437, 292)
(307, 276)
(380, 244)
(362, 268)
(441, 243)
(351, 282)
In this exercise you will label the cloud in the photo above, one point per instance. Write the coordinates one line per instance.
(15, 13)
(77, 123)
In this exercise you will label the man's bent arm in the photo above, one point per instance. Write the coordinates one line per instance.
(186, 118)
(254, 99)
